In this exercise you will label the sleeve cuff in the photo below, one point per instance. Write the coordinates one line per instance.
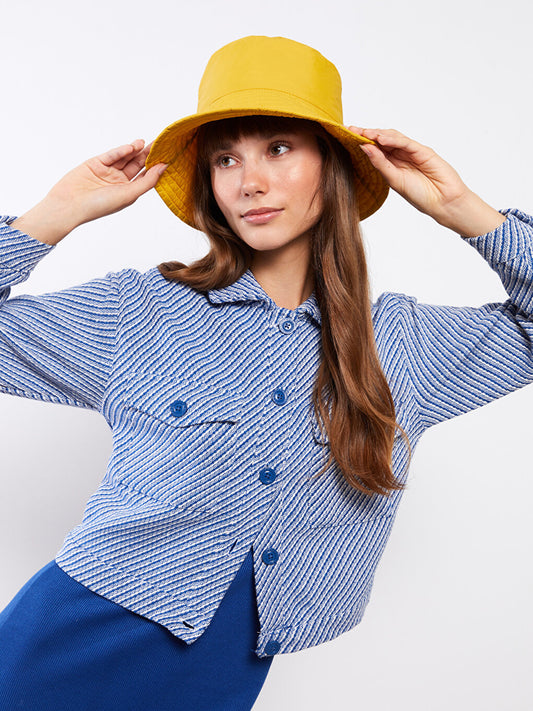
(508, 240)
(19, 251)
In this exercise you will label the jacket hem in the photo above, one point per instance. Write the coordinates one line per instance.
(303, 635)
(128, 591)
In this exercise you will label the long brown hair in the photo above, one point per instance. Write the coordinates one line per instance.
(351, 397)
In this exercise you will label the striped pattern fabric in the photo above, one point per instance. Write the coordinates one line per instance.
(214, 441)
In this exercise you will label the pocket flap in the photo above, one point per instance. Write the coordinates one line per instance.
(180, 401)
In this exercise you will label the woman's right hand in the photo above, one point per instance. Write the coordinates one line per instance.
(106, 183)
(100, 186)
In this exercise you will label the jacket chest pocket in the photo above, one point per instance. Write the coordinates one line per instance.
(179, 439)
(332, 501)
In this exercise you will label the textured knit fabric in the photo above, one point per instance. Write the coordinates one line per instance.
(215, 445)
(65, 648)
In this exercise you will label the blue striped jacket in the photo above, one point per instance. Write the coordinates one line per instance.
(208, 397)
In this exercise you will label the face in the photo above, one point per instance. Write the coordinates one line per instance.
(280, 172)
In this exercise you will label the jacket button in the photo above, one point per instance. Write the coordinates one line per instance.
(267, 476)
(272, 647)
(270, 556)
(287, 326)
(178, 408)
(279, 396)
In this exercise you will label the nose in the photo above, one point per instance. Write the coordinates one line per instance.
(253, 178)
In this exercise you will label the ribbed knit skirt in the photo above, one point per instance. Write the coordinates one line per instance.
(65, 648)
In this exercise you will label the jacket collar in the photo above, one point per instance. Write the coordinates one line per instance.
(247, 288)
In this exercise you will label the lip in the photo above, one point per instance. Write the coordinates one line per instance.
(261, 215)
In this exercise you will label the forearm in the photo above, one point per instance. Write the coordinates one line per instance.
(472, 217)
(45, 222)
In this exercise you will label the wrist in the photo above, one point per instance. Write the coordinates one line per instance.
(47, 222)
(471, 216)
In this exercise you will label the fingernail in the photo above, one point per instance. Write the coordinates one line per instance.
(162, 168)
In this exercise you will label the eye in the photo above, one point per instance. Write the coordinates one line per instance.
(280, 144)
(218, 161)
(273, 147)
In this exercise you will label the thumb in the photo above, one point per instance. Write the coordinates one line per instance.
(146, 180)
(379, 161)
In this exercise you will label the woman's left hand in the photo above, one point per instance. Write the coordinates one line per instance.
(427, 181)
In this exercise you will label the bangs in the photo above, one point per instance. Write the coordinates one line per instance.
(218, 135)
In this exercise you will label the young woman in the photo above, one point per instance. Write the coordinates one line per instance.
(264, 411)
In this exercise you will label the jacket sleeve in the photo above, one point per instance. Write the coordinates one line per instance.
(460, 358)
(56, 347)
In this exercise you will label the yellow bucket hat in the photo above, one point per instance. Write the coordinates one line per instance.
(269, 76)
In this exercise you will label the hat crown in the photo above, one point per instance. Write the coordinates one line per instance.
(277, 68)
(270, 76)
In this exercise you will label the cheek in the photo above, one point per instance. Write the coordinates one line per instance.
(305, 179)
(221, 195)
(296, 185)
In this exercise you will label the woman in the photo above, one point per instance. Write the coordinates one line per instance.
(263, 410)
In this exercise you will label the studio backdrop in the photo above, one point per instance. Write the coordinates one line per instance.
(449, 623)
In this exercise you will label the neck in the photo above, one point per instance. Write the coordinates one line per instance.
(288, 279)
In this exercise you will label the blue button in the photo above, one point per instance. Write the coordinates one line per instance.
(272, 647)
(287, 326)
(270, 556)
(267, 476)
(279, 396)
(178, 408)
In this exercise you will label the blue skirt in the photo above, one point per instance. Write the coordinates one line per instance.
(64, 647)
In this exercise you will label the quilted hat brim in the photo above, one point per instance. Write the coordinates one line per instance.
(176, 146)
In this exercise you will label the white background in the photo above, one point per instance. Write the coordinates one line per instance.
(449, 623)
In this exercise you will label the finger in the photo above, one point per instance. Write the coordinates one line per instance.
(147, 179)
(355, 129)
(115, 154)
(134, 165)
(137, 150)
(129, 192)
(390, 137)
(401, 148)
(144, 153)
(360, 132)
(380, 162)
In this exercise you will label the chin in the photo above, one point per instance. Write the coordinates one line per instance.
(266, 245)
